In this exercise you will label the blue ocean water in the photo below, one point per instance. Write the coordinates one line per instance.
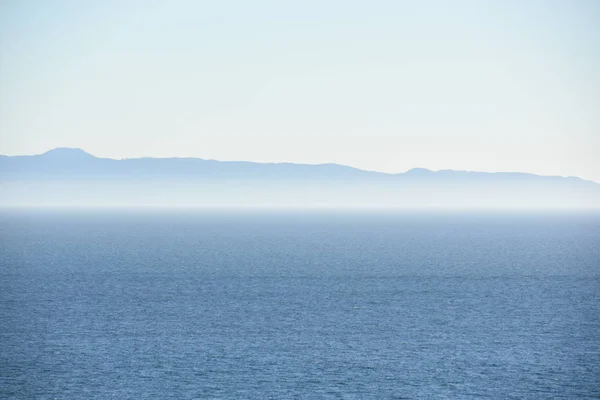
(122, 304)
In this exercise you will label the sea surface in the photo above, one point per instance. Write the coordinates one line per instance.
(259, 304)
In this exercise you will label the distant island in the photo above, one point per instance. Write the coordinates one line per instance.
(73, 177)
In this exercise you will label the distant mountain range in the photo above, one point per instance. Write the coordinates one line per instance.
(66, 176)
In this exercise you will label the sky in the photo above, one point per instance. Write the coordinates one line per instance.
(380, 85)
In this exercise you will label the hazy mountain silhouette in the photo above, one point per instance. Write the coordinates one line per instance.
(66, 176)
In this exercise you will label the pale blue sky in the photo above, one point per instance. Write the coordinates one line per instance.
(381, 85)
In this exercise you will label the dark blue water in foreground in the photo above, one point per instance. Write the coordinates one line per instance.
(178, 305)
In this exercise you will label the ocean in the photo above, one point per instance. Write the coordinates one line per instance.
(278, 304)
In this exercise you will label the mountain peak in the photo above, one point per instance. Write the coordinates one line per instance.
(67, 152)
(418, 171)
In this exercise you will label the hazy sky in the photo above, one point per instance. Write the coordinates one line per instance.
(381, 85)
